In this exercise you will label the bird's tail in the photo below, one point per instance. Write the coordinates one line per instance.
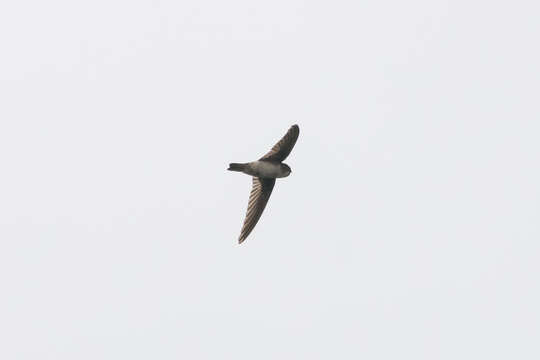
(236, 167)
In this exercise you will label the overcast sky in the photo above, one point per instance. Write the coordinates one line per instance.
(409, 228)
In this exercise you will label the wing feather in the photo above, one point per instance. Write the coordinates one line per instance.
(283, 147)
(260, 193)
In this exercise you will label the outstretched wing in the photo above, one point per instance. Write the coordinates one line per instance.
(284, 146)
(260, 193)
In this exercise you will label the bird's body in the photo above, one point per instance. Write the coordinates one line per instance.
(265, 171)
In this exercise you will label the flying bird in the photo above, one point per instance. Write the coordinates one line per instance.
(264, 172)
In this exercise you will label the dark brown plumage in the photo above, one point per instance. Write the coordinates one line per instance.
(283, 147)
(264, 172)
(258, 198)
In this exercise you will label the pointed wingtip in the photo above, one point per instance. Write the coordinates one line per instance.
(241, 238)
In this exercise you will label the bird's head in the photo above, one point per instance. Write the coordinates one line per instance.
(286, 169)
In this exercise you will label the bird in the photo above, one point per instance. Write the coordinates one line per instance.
(265, 171)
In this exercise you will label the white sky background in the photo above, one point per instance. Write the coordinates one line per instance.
(409, 228)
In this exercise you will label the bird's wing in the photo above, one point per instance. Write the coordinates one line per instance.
(284, 146)
(260, 193)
